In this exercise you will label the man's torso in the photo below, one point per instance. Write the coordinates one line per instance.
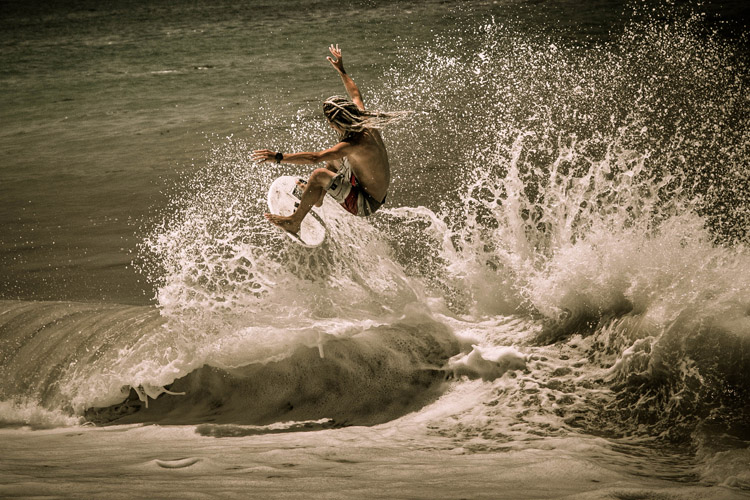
(369, 163)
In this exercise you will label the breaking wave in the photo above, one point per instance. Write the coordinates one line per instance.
(596, 194)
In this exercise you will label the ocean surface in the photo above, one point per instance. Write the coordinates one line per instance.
(554, 302)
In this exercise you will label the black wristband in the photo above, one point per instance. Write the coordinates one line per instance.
(278, 157)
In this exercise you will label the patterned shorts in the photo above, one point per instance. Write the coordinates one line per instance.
(347, 191)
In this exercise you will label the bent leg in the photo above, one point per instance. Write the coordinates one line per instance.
(319, 202)
(302, 184)
(315, 190)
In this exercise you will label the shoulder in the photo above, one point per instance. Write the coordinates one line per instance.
(353, 138)
(365, 138)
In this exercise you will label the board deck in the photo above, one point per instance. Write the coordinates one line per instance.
(283, 198)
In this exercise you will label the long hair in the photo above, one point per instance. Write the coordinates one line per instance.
(343, 113)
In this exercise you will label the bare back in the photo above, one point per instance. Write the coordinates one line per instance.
(369, 162)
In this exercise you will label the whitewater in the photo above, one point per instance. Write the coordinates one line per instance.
(555, 303)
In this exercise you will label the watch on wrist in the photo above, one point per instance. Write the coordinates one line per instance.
(278, 157)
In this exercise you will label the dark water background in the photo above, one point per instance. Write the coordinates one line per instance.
(104, 105)
(568, 221)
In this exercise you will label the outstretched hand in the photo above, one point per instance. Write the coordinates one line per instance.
(263, 155)
(337, 63)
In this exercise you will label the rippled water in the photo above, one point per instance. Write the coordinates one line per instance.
(561, 270)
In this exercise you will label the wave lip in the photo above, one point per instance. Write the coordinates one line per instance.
(369, 378)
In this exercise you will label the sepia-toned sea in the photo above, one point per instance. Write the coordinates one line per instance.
(554, 302)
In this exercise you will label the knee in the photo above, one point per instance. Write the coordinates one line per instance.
(320, 177)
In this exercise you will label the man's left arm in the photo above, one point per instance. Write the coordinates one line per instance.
(337, 152)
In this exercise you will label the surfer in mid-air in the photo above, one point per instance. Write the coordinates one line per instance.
(357, 173)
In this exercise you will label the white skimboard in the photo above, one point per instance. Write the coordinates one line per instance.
(283, 198)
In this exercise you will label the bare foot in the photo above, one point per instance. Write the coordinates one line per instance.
(285, 223)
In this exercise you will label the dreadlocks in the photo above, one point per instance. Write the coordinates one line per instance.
(343, 113)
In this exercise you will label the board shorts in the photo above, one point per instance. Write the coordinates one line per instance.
(349, 193)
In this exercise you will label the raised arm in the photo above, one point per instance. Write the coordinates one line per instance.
(337, 152)
(349, 85)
